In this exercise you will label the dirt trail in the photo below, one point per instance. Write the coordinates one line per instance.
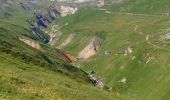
(133, 14)
(32, 44)
(67, 40)
(91, 49)
(137, 14)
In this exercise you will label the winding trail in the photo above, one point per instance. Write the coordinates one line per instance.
(135, 14)
(132, 14)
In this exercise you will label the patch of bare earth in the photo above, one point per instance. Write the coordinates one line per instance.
(91, 49)
(32, 44)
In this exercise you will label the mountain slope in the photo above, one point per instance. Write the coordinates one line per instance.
(26, 81)
(125, 44)
(32, 69)
(27, 73)
(133, 59)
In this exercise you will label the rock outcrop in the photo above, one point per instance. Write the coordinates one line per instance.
(54, 34)
(100, 3)
(67, 10)
(91, 49)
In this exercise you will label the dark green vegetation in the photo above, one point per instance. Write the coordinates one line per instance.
(135, 24)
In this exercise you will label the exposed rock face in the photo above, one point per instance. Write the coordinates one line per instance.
(66, 10)
(97, 82)
(32, 44)
(100, 3)
(91, 49)
(3, 2)
(165, 37)
(44, 17)
(54, 35)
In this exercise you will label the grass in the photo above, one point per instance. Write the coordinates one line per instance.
(145, 81)
(25, 81)
(26, 73)
(142, 6)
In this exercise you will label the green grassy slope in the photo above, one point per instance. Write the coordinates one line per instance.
(142, 6)
(29, 74)
(29, 82)
(50, 58)
(147, 68)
